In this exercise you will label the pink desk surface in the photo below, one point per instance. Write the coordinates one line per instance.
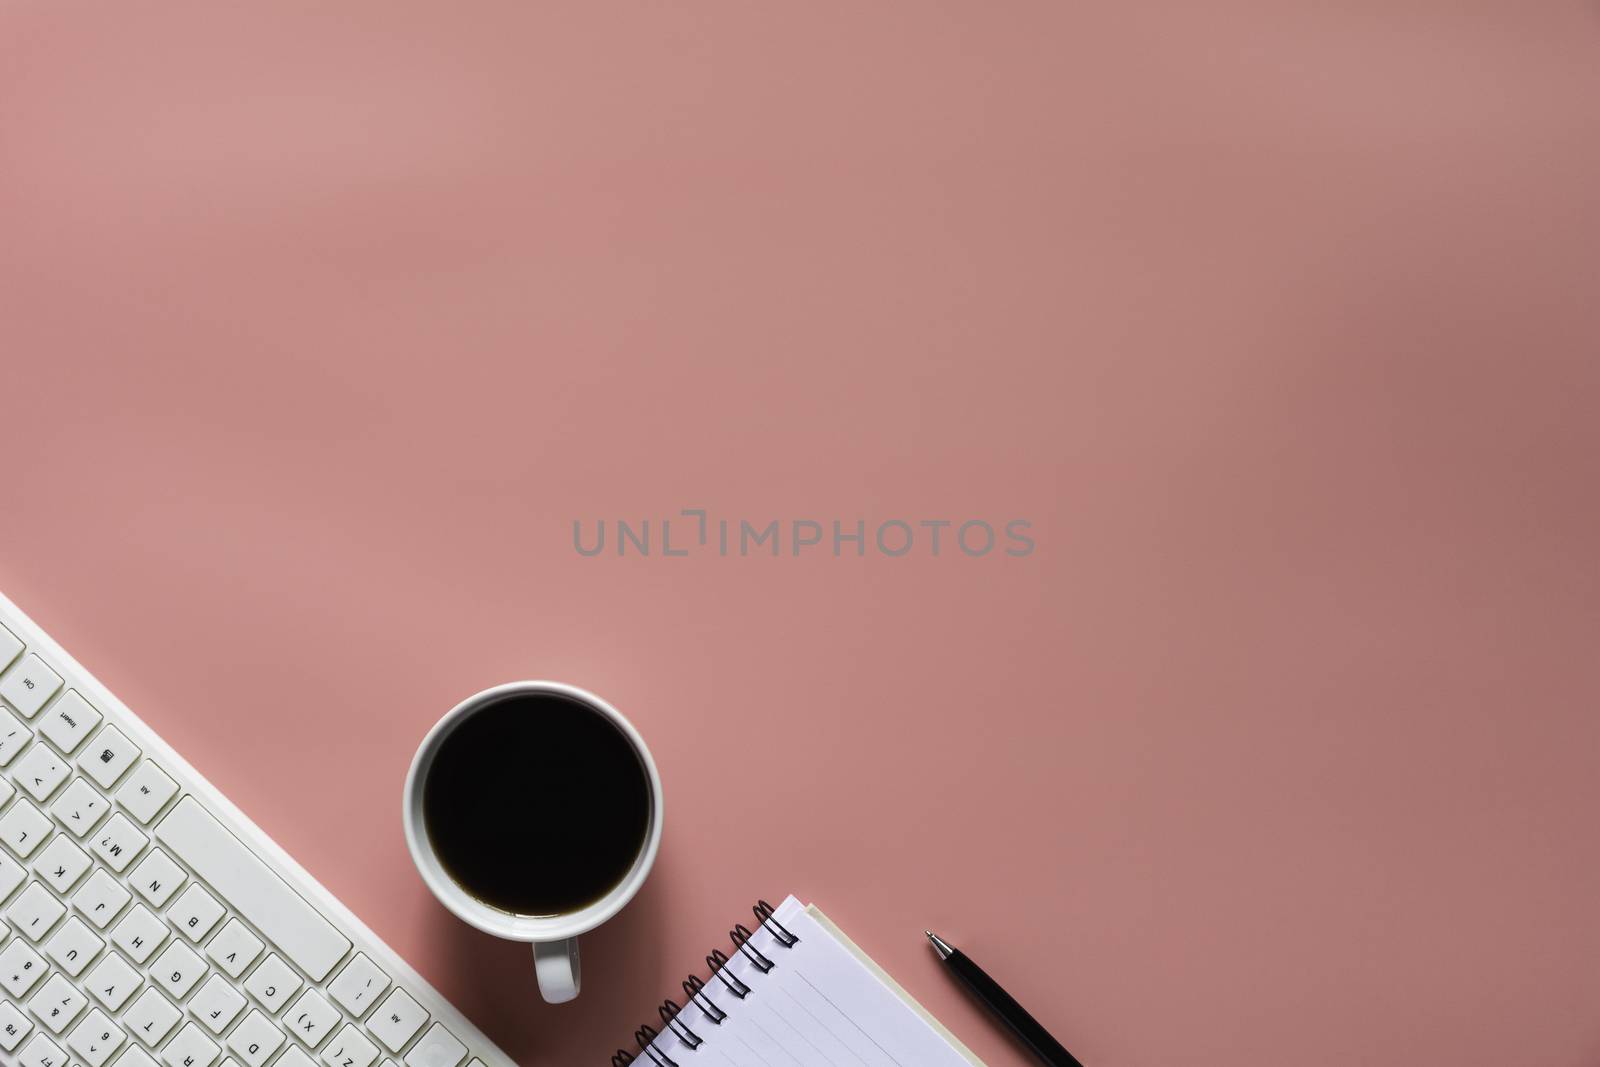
(322, 323)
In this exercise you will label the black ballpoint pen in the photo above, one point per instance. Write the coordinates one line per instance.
(1003, 1004)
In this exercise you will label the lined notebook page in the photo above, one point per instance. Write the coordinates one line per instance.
(819, 1006)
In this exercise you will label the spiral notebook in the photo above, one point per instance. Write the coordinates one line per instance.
(794, 992)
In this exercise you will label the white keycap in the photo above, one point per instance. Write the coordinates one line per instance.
(396, 1020)
(57, 1003)
(254, 890)
(107, 757)
(146, 792)
(34, 912)
(349, 1049)
(177, 970)
(195, 913)
(234, 949)
(13, 736)
(100, 899)
(80, 808)
(29, 684)
(157, 878)
(255, 1040)
(40, 771)
(151, 1018)
(41, 1052)
(61, 863)
(191, 1048)
(113, 981)
(10, 645)
(74, 946)
(118, 842)
(293, 1057)
(311, 1019)
(436, 1048)
(69, 720)
(217, 1004)
(359, 986)
(7, 791)
(272, 984)
(11, 875)
(95, 1039)
(24, 827)
(14, 1026)
(135, 1057)
(139, 933)
(20, 968)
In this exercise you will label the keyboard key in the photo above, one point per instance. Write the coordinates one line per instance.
(177, 970)
(7, 791)
(95, 1039)
(14, 1026)
(349, 1049)
(69, 721)
(20, 968)
(108, 757)
(311, 1019)
(217, 1004)
(40, 771)
(293, 1057)
(397, 1020)
(118, 842)
(151, 1018)
(234, 949)
(195, 913)
(11, 875)
(23, 828)
(146, 792)
(41, 1052)
(437, 1048)
(74, 946)
(29, 684)
(113, 981)
(272, 984)
(61, 863)
(57, 1003)
(191, 1048)
(13, 737)
(10, 645)
(80, 808)
(359, 986)
(139, 933)
(254, 890)
(255, 1040)
(34, 912)
(157, 878)
(100, 899)
(135, 1057)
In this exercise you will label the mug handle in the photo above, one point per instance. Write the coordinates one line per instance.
(556, 964)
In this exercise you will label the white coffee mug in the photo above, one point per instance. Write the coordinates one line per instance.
(554, 938)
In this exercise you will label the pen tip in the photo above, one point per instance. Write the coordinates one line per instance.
(940, 946)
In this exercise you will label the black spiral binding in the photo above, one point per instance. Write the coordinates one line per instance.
(694, 990)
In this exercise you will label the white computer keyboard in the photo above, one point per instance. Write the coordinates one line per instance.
(145, 922)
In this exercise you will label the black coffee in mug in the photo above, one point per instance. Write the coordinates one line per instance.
(536, 804)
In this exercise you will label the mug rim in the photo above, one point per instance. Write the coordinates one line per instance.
(485, 917)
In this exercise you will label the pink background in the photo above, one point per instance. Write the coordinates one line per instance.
(322, 323)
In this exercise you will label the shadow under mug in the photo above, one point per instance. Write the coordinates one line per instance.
(554, 938)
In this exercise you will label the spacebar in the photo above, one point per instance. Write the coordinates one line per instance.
(255, 890)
